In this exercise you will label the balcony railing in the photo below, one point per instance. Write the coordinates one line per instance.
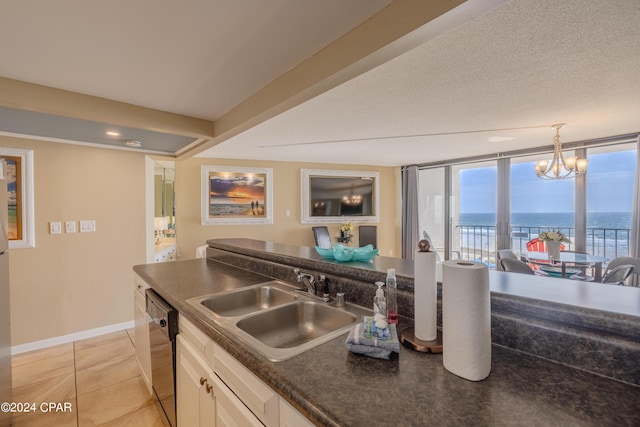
(478, 242)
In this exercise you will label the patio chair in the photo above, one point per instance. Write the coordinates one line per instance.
(322, 237)
(515, 266)
(505, 254)
(626, 260)
(537, 245)
(617, 275)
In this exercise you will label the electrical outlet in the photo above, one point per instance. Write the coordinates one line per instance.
(87, 226)
(70, 226)
(55, 227)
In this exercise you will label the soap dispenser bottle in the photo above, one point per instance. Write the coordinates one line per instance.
(392, 299)
(379, 302)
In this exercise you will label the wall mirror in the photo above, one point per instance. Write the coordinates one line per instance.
(164, 179)
(334, 196)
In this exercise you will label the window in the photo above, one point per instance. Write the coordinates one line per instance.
(538, 205)
(594, 211)
(610, 185)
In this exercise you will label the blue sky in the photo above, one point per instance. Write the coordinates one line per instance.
(610, 179)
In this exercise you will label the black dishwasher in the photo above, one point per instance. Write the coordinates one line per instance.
(163, 328)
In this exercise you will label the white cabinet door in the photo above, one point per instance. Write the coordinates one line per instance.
(230, 411)
(141, 331)
(194, 390)
(250, 389)
(290, 417)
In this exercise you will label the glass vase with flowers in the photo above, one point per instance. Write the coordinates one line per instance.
(553, 239)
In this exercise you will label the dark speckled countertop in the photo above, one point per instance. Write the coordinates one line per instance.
(332, 386)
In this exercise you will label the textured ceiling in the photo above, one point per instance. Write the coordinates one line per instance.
(193, 57)
(494, 83)
(522, 67)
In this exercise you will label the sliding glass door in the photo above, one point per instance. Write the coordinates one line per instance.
(609, 189)
(431, 207)
(471, 209)
(539, 205)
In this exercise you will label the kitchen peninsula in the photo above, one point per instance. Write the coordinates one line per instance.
(331, 386)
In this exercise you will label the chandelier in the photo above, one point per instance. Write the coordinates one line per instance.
(560, 167)
(353, 199)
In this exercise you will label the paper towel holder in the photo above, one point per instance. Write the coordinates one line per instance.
(408, 339)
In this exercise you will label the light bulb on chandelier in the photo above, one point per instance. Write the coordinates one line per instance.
(352, 199)
(559, 167)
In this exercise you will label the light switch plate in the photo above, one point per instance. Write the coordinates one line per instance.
(87, 226)
(55, 227)
(70, 227)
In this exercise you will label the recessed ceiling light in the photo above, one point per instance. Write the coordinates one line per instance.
(133, 143)
(113, 133)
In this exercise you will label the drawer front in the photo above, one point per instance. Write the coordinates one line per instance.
(259, 398)
(195, 336)
(140, 285)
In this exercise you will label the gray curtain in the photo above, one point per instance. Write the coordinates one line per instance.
(634, 244)
(410, 231)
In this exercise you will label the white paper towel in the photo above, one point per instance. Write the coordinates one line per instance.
(466, 319)
(425, 296)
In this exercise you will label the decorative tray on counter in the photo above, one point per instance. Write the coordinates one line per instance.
(345, 253)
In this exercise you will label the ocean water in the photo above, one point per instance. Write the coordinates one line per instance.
(608, 220)
(607, 232)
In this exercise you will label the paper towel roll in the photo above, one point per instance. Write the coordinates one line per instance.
(425, 296)
(466, 319)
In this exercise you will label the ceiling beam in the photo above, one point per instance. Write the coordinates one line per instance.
(43, 99)
(396, 29)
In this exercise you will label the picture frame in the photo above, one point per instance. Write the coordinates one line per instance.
(237, 195)
(19, 176)
(325, 202)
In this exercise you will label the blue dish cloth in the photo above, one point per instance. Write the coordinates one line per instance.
(372, 347)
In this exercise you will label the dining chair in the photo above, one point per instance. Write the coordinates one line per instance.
(322, 237)
(505, 254)
(626, 260)
(368, 235)
(617, 275)
(515, 266)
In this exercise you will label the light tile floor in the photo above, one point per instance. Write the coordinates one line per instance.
(97, 378)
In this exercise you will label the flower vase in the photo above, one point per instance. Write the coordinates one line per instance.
(553, 249)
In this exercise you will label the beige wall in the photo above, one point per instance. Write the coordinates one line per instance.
(75, 282)
(286, 188)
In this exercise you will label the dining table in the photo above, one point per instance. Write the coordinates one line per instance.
(564, 265)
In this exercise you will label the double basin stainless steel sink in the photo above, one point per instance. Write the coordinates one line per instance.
(277, 319)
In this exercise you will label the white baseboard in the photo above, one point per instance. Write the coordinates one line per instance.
(50, 342)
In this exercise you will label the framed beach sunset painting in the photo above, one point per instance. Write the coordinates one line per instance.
(235, 195)
(18, 176)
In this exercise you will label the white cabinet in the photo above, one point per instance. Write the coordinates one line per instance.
(194, 389)
(141, 330)
(289, 417)
(214, 389)
(256, 395)
(230, 411)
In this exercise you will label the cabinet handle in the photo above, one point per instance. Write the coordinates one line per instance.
(209, 388)
(202, 380)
